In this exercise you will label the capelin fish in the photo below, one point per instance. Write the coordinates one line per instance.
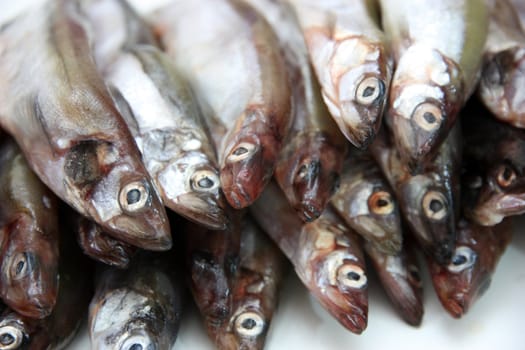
(310, 161)
(503, 75)
(234, 64)
(368, 204)
(428, 200)
(68, 128)
(212, 259)
(326, 255)
(58, 329)
(138, 308)
(101, 247)
(400, 276)
(438, 60)
(350, 57)
(255, 292)
(478, 249)
(29, 234)
(161, 112)
(494, 167)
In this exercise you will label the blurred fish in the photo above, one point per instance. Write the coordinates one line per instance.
(138, 308)
(326, 255)
(503, 75)
(349, 54)
(234, 64)
(255, 292)
(29, 236)
(58, 109)
(367, 203)
(478, 249)
(438, 59)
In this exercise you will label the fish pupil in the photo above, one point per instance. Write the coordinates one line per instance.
(507, 174)
(133, 196)
(249, 323)
(369, 91)
(459, 260)
(354, 276)
(239, 151)
(429, 117)
(19, 267)
(415, 275)
(7, 339)
(382, 202)
(136, 347)
(205, 182)
(436, 205)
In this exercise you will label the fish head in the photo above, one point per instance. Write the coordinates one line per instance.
(118, 193)
(190, 185)
(29, 269)
(249, 158)
(428, 209)
(127, 320)
(426, 95)
(313, 175)
(360, 72)
(14, 332)
(333, 273)
(501, 85)
(467, 276)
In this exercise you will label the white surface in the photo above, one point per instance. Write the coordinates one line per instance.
(495, 322)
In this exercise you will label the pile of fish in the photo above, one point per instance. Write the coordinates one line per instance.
(203, 146)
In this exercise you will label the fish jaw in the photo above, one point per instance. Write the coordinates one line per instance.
(501, 83)
(498, 206)
(426, 94)
(249, 163)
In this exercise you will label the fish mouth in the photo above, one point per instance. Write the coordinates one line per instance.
(38, 307)
(455, 307)
(494, 211)
(140, 233)
(361, 136)
(204, 210)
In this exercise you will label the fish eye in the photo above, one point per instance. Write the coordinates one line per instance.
(427, 116)
(137, 342)
(464, 257)
(309, 170)
(242, 151)
(204, 181)
(414, 275)
(10, 337)
(369, 90)
(134, 196)
(381, 203)
(21, 265)
(435, 205)
(351, 276)
(249, 324)
(506, 176)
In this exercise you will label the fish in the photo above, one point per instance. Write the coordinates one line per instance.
(255, 294)
(29, 236)
(212, 261)
(368, 204)
(161, 112)
(467, 277)
(326, 255)
(400, 277)
(101, 247)
(438, 56)
(493, 167)
(310, 162)
(61, 114)
(429, 200)
(504, 65)
(58, 329)
(138, 308)
(349, 53)
(234, 64)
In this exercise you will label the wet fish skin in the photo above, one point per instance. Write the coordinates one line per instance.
(503, 64)
(438, 60)
(245, 89)
(326, 255)
(69, 130)
(255, 292)
(477, 252)
(400, 276)
(368, 204)
(493, 164)
(139, 307)
(29, 235)
(349, 54)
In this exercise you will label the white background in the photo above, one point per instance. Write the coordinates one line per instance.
(496, 321)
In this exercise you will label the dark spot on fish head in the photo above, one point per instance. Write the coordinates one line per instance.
(496, 69)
